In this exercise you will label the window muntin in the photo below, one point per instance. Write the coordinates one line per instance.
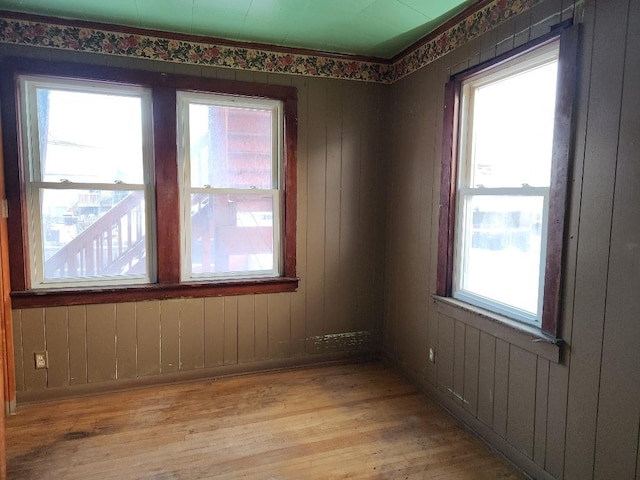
(88, 157)
(505, 156)
(230, 154)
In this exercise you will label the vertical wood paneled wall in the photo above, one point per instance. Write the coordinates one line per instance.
(578, 419)
(340, 234)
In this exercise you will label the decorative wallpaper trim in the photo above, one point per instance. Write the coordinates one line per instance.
(138, 45)
(54, 33)
(473, 26)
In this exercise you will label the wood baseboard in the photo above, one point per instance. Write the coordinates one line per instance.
(494, 441)
(73, 391)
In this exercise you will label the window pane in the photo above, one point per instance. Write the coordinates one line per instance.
(231, 233)
(89, 233)
(230, 147)
(89, 137)
(501, 253)
(513, 129)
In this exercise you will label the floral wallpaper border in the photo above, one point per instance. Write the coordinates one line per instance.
(67, 37)
(463, 32)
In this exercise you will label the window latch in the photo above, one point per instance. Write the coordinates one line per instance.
(65, 180)
(118, 182)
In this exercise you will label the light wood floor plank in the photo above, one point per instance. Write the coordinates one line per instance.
(358, 421)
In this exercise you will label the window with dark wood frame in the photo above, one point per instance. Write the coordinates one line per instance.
(165, 185)
(568, 36)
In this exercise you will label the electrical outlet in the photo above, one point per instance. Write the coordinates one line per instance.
(432, 355)
(41, 360)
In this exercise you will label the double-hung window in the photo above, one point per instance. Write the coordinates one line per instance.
(504, 158)
(504, 182)
(127, 185)
(87, 188)
(230, 163)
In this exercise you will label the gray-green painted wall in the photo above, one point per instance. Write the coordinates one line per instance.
(578, 419)
(337, 310)
(369, 162)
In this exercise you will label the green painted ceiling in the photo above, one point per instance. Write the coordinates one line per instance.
(379, 28)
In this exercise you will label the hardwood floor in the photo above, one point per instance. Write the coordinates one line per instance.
(346, 421)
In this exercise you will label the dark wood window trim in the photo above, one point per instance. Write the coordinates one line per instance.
(157, 291)
(163, 87)
(558, 193)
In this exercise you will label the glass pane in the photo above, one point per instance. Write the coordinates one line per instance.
(93, 233)
(230, 147)
(90, 137)
(501, 249)
(231, 233)
(513, 130)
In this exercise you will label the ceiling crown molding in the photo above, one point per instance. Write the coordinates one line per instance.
(48, 32)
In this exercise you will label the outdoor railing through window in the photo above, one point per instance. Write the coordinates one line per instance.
(113, 244)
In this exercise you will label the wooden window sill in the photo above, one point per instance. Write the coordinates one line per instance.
(94, 295)
(524, 336)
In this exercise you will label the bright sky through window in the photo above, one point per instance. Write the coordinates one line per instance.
(513, 129)
(93, 138)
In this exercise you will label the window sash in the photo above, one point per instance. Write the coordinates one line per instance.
(35, 187)
(467, 133)
(275, 197)
(184, 99)
(120, 234)
(461, 252)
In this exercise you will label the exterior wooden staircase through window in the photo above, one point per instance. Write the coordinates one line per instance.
(115, 243)
(112, 245)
